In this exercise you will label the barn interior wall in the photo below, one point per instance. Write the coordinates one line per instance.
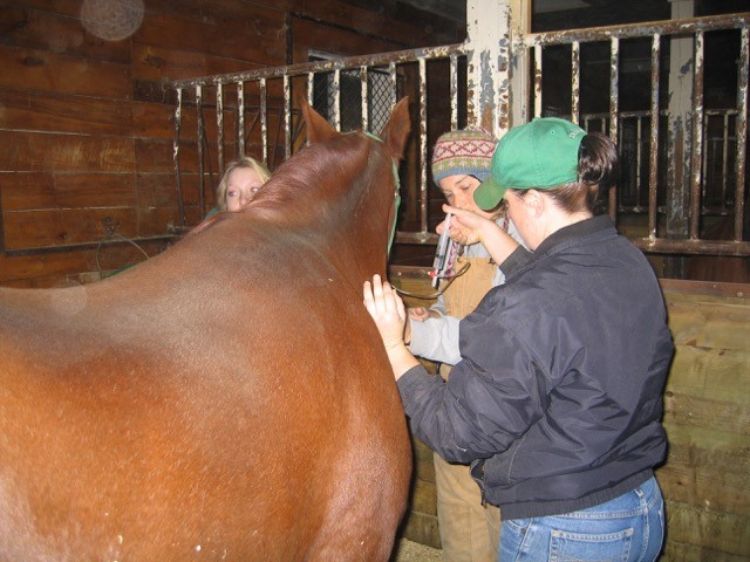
(86, 126)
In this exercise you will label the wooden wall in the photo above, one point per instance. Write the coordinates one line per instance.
(706, 479)
(86, 124)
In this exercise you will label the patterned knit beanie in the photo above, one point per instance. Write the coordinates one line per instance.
(467, 152)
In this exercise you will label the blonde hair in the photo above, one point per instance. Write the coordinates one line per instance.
(244, 162)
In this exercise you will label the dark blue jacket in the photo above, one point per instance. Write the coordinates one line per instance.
(558, 399)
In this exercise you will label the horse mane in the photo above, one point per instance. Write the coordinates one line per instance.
(319, 173)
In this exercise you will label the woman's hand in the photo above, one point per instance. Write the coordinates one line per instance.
(387, 311)
(420, 313)
(468, 227)
(417, 314)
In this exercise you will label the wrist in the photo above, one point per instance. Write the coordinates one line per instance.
(400, 358)
(395, 348)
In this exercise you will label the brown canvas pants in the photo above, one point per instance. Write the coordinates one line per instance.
(469, 531)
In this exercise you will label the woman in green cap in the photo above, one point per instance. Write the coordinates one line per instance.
(557, 403)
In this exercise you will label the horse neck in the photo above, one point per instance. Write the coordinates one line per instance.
(340, 193)
(363, 225)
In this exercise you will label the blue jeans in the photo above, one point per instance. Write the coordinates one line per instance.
(629, 528)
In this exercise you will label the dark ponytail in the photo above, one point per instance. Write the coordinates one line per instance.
(597, 168)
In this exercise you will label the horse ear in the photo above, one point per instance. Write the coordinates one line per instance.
(397, 129)
(318, 129)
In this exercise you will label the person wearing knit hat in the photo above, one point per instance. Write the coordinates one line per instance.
(469, 529)
(465, 152)
(557, 401)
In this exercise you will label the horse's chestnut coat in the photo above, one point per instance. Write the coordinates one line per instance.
(229, 399)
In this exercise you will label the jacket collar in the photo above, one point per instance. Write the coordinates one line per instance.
(575, 232)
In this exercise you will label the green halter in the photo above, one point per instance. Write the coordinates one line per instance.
(396, 196)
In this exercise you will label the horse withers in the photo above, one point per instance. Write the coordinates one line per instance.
(228, 399)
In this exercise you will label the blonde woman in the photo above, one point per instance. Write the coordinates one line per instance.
(241, 181)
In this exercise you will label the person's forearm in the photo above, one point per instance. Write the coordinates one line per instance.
(498, 243)
(401, 360)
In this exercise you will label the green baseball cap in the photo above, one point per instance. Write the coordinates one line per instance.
(542, 154)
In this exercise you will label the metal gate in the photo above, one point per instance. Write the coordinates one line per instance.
(444, 82)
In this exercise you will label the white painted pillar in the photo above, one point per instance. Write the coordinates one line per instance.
(679, 131)
(520, 25)
(488, 64)
(679, 125)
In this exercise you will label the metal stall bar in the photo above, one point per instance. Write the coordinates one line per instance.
(310, 96)
(240, 119)
(201, 135)
(337, 99)
(423, 144)
(311, 89)
(454, 92)
(638, 158)
(220, 127)
(710, 158)
(712, 146)
(575, 80)
(741, 135)
(394, 82)
(364, 93)
(176, 156)
(538, 80)
(614, 107)
(697, 160)
(704, 164)
(263, 119)
(724, 161)
(287, 118)
(653, 166)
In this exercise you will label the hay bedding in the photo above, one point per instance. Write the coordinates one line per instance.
(409, 551)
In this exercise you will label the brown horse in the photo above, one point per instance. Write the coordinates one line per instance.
(227, 400)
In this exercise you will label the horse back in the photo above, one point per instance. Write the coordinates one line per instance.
(177, 411)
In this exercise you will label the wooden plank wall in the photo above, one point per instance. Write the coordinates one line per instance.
(86, 126)
(706, 479)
